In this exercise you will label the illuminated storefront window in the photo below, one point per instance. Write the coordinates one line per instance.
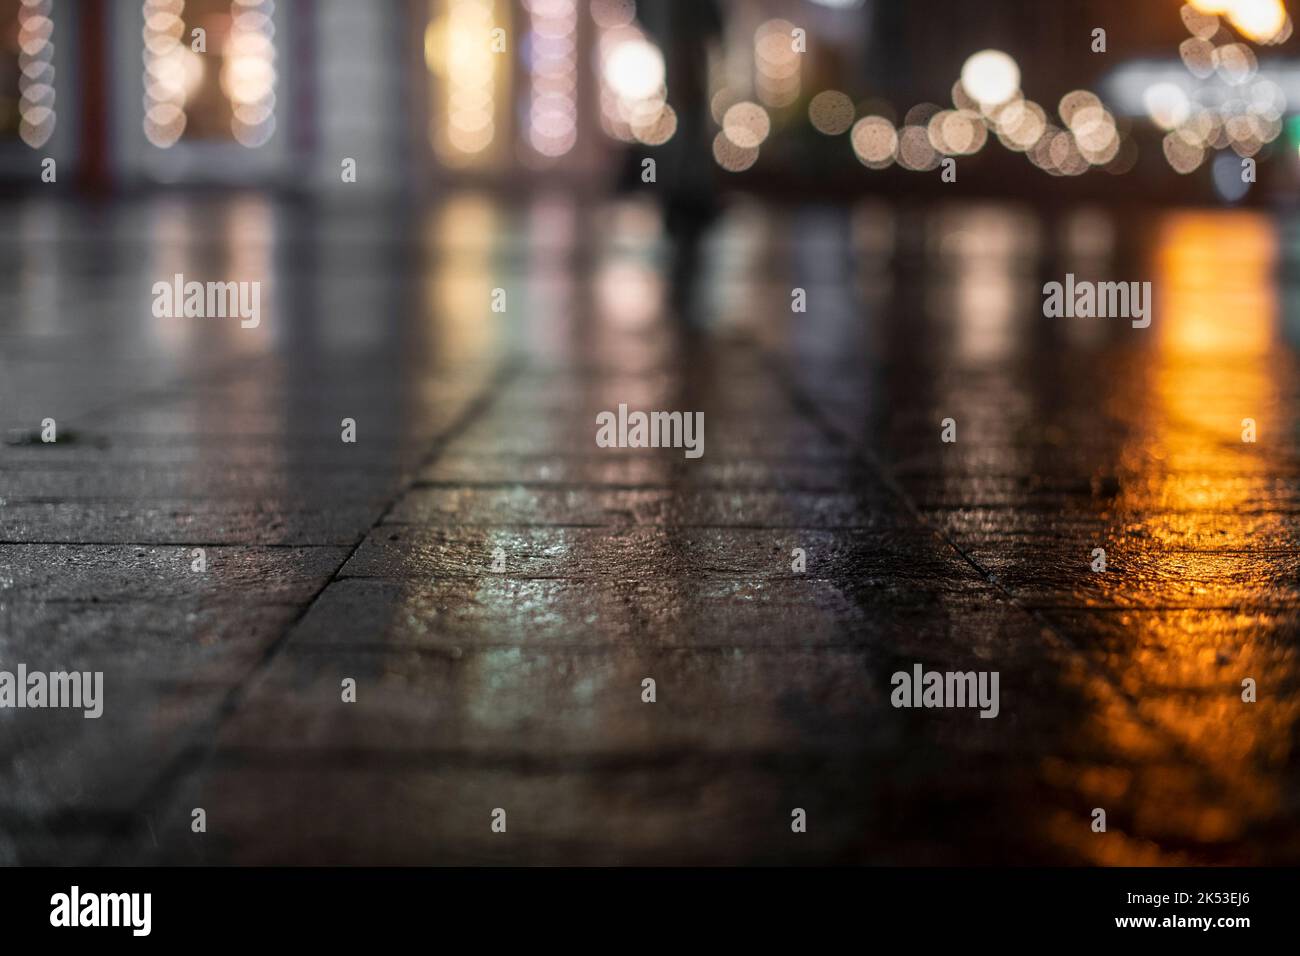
(27, 98)
(467, 50)
(209, 71)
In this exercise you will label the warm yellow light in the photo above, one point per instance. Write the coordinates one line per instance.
(1258, 20)
(1193, 513)
(1262, 21)
(465, 70)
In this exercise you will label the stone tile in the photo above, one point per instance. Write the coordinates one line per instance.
(214, 640)
(902, 559)
(508, 434)
(189, 483)
(267, 521)
(586, 815)
(535, 704)
(455, 614)
(237, 575)
(1045, 575)
(256, 453)
(66, 770)
(637, 471)
(600, 507)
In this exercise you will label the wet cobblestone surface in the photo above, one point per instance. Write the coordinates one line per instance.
(520, 687)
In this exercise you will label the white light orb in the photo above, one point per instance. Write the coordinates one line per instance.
(635, 70)
(990, 77)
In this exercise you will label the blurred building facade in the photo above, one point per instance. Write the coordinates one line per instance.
(280, 93)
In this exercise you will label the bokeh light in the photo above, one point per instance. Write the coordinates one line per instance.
(1167, 105)
(633, 82)
(635, 69)
(171, 72)
(990, 77)
(553, 76)
(746, 124)
(777, 66)
(248, 75)
(831, 112)
(36, 80)
(875, 141)
(458, 51)
(733, 158)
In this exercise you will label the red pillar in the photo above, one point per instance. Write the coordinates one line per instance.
(92, 36)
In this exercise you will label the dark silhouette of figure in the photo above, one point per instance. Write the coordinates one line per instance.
(685, 180)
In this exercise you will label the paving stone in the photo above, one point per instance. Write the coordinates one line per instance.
(238, 575)
(635, 471)
(1042, 575)
(218, 640)
(664, 813)
(902, 559)
(68, 770)
(566, 701)
(1183, 531)
(266, 521)
(452, 615)
(601, 507)
(754, 438)
(191, 483)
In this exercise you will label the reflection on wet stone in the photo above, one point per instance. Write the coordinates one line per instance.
(515, 680)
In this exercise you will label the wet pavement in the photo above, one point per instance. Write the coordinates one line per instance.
(499, 587)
